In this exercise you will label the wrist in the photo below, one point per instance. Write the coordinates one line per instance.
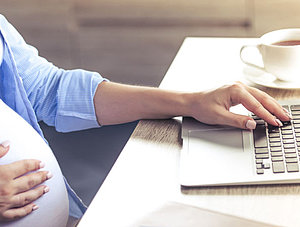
(191, 103)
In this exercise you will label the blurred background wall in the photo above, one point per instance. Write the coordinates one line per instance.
(128, 41)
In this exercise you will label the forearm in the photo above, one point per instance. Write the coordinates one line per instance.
(117, 103)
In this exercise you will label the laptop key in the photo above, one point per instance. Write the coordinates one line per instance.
(259, 166)
(286, 122)
(277, 159)
(260, 122)
(274, 140)
(261, 151)
(290, 150)
(288, 141)
(275, 144)
(278, 167)
(275, 149)
(260, 138)
(286, 107)
(276, 154)
(287, 132)
(292, 167)
(259, 161)
(260, 171)
(291, 155)
(266, 166)
(288, 136)
(255, 117)
(295, 107)
(289, 145)
(291, 160)
(261, 156)
(287, 127)
(274, 134)
(272, 129)
(295, 112)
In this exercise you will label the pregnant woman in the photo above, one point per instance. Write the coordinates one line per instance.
(33, 191)
(32, 89)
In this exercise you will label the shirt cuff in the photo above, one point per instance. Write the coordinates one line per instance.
(76, 110)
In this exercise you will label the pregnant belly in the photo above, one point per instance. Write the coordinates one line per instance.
(26, 143)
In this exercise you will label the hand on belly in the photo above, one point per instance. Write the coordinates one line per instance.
(19, 188)
(26, 143)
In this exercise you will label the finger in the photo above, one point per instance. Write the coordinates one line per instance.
(29, 181)
(270, 104)
(238, 121)
(4, 147)
(17, 213)
(253, 105)
(19, 168)
(22, 199)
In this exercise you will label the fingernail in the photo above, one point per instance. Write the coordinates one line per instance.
(46, 189)
(251, 124)
(35, 207)
(49, 175)
(287, 113)
(278, 122)
(6, 143)
(42, 165)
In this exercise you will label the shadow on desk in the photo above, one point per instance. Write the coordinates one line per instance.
(87, 156)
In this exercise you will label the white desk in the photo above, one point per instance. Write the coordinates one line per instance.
(146, 173)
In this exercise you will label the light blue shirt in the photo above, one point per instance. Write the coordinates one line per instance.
(39, 91)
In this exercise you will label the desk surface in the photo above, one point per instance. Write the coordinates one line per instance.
(146, 172)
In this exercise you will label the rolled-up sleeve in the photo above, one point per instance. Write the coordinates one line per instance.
(60, 98)
(75, 105)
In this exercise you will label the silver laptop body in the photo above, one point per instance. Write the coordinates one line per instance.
(222, 155)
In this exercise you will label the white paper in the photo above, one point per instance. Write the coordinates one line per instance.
(173, 214)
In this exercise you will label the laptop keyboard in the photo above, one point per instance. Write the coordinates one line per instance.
(278, 148)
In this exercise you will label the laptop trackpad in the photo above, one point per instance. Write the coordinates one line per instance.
(230, 139)
(217, 156)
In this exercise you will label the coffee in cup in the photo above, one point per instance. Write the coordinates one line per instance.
(288, 43)
(280, 52)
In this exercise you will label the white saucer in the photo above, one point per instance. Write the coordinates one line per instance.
(268, 80)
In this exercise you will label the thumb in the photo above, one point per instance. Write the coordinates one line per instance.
(239, 121)
(4, 147)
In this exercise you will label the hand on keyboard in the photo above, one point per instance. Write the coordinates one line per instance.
(278, 146)
(212, 107)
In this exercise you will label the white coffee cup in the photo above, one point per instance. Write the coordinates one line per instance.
(280, 51)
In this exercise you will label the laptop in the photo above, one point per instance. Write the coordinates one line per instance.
(223, 155)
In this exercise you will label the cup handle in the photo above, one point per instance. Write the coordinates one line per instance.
(249, 63)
